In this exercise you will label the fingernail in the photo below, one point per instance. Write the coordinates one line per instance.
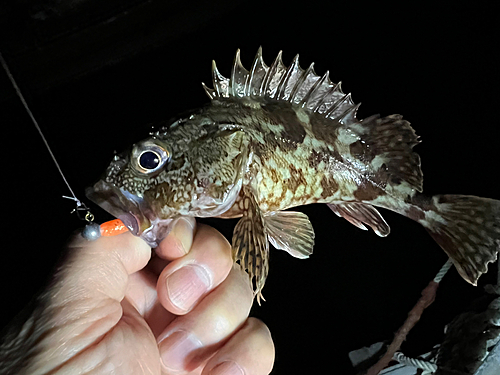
(227, 368)
(186, 285)
(183, 230)
(176, 348)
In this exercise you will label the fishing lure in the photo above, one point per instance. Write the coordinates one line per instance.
(93, 231)
(277, 137)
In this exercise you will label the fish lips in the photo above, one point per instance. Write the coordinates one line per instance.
(132, 210)
(118, 204)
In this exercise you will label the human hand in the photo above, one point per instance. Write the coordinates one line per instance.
(112, 309)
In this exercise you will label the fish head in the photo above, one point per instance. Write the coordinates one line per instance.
(190, 168)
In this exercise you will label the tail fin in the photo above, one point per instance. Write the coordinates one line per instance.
(468, 229)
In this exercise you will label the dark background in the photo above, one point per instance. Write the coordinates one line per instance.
(95, 73)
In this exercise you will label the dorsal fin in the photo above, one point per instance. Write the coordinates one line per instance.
(279, 82)
(385, 143)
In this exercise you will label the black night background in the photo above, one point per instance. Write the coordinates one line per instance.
(96, 73)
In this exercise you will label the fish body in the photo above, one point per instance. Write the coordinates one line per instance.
(278, 137)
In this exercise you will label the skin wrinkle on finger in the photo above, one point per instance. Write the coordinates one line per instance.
(132, 251)
(82, 331)
(94, 273)
(179, 241)
(211, 252)
(141, 291)
(110, 355)
(84, 298)
(97, 275)
(102, 266)
(137, 259)
(251, 348)
(210, 323)
(187, 285)
(169, 294)
(184, 230)
(227, 368)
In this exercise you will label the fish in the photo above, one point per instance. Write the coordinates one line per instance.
(277, 137)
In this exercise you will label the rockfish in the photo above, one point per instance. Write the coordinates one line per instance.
(278, 137)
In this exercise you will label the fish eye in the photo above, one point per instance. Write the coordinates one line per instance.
(149, 160)
(149, 156)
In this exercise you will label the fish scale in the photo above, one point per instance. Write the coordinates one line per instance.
(276, 137)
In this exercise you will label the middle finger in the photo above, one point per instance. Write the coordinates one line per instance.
(192, 338)
(185, 281)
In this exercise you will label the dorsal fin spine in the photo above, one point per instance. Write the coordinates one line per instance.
(300, 81)
(220, 82)
(266, 87)
(327, 95)
(286, 77)
(239, 77)
(210, 92)
(305, 100)
(326, 100)
(349, 116)
(337, 104)
(258, 64)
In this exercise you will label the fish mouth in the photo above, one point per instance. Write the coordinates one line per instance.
(134, 211)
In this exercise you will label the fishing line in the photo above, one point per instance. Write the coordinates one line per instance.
(18, 92)
(92, 231)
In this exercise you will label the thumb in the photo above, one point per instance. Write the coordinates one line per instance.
(82, 303)
(100, 269)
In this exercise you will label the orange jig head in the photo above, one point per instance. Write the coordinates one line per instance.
(110, 228)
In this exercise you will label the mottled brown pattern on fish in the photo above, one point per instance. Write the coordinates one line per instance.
(235, 210)
(281, 188)
(415, 213)
(323, 129)
(368, 192)
(290, 160)
(274, 175)
(301, 182)
(315, 158)
(293, 129)
(296, 179)
(329, 186)
(275, 143)
(359, 151)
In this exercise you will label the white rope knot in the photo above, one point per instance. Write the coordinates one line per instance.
(427, 366)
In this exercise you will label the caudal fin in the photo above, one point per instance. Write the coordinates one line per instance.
(468, 230)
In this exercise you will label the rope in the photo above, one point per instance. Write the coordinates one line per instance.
(428, 367)
(415, 362)
(443, 271)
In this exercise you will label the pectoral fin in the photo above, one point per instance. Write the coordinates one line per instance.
(250, 244)
(290, 231)
(358, 213)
